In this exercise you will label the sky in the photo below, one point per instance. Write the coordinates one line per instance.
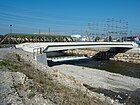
(67, 16)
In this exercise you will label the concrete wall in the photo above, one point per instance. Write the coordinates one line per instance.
(41, 58)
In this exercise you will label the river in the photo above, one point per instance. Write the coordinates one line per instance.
(128, 69)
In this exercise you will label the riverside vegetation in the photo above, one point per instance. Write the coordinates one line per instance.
(39, 85)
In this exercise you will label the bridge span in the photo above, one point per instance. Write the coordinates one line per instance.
(40, 50)
(58, 46)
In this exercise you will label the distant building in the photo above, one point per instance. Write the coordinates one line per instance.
(76, 37)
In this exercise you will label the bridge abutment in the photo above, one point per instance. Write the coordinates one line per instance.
(42, 58)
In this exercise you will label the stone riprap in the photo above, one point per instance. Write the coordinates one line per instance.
(130, 56)
(127, 57)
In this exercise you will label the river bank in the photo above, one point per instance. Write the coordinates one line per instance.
(25, 81)
(91, 87)
(131, 56)
(123, 68)
(119, 87)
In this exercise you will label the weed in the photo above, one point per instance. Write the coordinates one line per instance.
(45, 85)
(9, 104)
(18, 85)
(18, 57)
(31, 94)
(3, 63)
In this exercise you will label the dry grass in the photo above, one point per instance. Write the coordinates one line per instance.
(45, 85)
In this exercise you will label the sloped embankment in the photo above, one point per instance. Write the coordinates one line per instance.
(24, 82)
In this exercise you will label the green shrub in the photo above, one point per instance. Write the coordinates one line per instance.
(31, 94)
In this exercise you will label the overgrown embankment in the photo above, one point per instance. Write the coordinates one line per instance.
(34, 86)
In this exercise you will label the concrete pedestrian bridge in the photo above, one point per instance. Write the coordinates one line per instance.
(59, 46)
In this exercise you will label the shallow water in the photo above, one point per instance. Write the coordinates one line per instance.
(128, 69)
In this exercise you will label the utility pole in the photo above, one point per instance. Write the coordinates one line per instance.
(123, 28)
(96, 29)
(49, 31)
(39, 31)
(116, 28)
(120, 30)
(108, 28)
(104, 29)
(88, 32)
(10, 33)
(10, 28)
(112, 27)
(131, 33)
(126, 30)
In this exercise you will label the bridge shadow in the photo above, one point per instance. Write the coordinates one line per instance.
(96, 63)
(110, 53)
(104, 55)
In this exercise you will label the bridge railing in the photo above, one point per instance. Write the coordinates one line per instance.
(37, 51)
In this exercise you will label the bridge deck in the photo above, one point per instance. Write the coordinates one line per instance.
(56, 46)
